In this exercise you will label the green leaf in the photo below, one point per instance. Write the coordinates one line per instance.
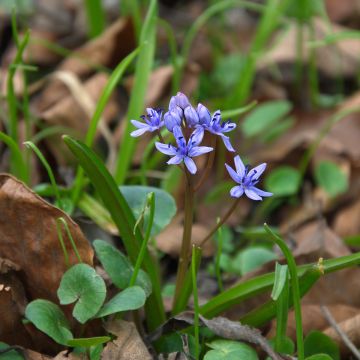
(264, 117)
(230, 350)
(131, 298)
(283, 181)
(81, 284)
(88, 342)
(124, 220)
(318, 343)
(165, 206)
(319, 357)
(49, 318)
(251, 259)
(10, 355)
(281, 275)
(329, 176)
(119, 268)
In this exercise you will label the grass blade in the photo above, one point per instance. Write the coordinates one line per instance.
(95, 15)
(124, 220)
(137, 100)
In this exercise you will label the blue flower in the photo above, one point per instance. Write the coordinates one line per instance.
(153, 122)
(214, 124)
(184, 152)
(179, 103)
(172, 119)
(246, 180)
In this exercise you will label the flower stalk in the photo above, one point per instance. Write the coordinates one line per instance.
(185, 252)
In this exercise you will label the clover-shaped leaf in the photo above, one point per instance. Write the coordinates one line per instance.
(49, 318)
(131, 298)
(81, 284)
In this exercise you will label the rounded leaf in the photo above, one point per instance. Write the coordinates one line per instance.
(318, 343)
(81, 284)
(331, 178)
(119, 268)
(49, 318)
(230, 350)
(283, 181)
(131, 298)
(264, 116)
(165, 206)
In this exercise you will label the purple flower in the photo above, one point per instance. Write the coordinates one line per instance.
(153, 122)
(184, 152)
(178, 104)
(172, 119)
(246, 180)
(214, 124)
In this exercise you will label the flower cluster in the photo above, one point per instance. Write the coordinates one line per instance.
(182, 118)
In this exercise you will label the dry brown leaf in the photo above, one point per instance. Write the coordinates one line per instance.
(128, 344)
(313, 318)
(346, 222)
(29, 238)
(65, 355)
(339, 11)
(350, 326)
(169, 240)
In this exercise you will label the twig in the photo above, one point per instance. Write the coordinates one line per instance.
(340, 332)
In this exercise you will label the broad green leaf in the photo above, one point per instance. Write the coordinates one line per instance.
(318, 343)
(49, 318)
(230, 350)
(165, 206)
(119, 268)
(287, 346)
(281, 275)
(283, 181)
(331, 178)
(124, 220)
(10, 355)
(264, 117)
(81, 284)
(88, 342)
(251, 259)
(131, 298)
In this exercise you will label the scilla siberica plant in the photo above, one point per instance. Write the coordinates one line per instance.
(188, 126)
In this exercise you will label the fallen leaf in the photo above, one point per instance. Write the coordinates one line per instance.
(29, 238)
(340, 11)
(346, 222)
(127, 346)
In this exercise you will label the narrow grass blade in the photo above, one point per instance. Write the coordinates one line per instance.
(101, 104)
(49, 171)
(20, 169)
(124, 220)
(137, 100)
(95, 16)
(260, 284)
(194, 269)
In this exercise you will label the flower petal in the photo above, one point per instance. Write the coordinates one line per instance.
(261, 192)
(190, 164)
(191, 116)
(239, 165)
(171, 120)
(252, 194)
(199, 150)
(166, 149)
(237, 191)
(257, 171)
(196, 137)
(179, 137)
(227, 143)
(177, 159)
(204, 114)
(139, 124)
(235, 176)
(139, 132)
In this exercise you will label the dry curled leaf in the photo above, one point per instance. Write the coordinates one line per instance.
(127, 346)
(29, 238)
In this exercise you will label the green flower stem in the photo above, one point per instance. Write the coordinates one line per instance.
(294, 288)
(185, 252)
(140, 258)
(209, 165)
(196, 304)
(221, 222)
